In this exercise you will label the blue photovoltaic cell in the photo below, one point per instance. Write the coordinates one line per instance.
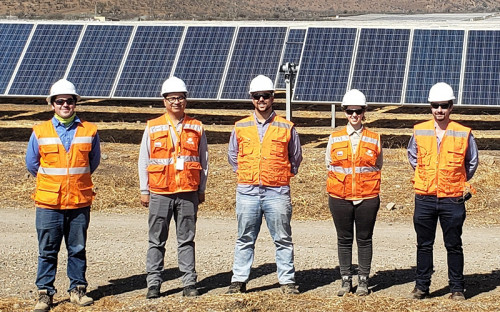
(482, 68)
(436, 56)
(257, 52)
(149, 61)
(12, 41)
(380, 64)
(293, 49)
(46, 58)
(98, 59)
(203, 58)
(325, 65)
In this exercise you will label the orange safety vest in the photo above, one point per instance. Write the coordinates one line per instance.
(163, 176)
(440, 172)
(354, 176)
(264, 163)
(63, 180)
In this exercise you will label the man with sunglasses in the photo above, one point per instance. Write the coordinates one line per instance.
(62, 154)
(444, 155)
(265, 152)
(173, 168)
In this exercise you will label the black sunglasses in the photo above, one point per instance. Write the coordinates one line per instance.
(257, 96)
(443, 105)
(70, 101)
(352, 111)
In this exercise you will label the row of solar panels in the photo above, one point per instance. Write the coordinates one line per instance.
(391, 66)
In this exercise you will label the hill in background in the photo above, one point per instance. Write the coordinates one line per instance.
(231, 9)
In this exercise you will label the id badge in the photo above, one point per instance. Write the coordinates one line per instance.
(179, 164)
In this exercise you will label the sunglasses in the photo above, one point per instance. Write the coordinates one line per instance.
(60, 102)
(443, 106)
(257, 96)
(352, 111)
(174, 99)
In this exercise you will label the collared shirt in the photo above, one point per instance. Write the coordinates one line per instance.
(294, 155)
(66, 136)
(471, 155)
(144, 154)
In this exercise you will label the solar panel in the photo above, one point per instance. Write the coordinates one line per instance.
(325, 64)
(149, 61)
(293, 50)
(482, 68)
(46, 58)
(380, 64)
(436, 56)
(98, 59)
(257, 51)
(203, 59)
(12, 41)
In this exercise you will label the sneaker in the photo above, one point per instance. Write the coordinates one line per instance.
(153, 292)
(346, 286)
(78, 296)
(362, 289)
(44, 302)
(457, 295)
(290, 289)
(190, 291)
(237, 288)
(419, 294)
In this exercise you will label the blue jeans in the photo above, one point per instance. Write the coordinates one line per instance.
(277, 209)
(52, 225)
(450, 211)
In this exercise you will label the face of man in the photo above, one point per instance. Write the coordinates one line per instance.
(354, 114)
(64, 105)
(175, 103)
(441, 110)
(263, 101)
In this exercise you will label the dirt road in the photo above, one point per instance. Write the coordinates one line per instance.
(117, 247)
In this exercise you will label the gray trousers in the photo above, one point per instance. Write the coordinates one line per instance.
(184, 208)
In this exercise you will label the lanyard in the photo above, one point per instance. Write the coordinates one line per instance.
(178, 144)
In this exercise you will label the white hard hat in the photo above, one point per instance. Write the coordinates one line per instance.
(354, 97)
(62, 86)
(441, 92)
(173, 84)
(261, 83)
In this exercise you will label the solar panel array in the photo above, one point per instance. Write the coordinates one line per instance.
(217, 62)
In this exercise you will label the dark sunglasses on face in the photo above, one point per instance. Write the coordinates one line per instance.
(257, 96)
(352, 111)
(60, 102)
(443, 106)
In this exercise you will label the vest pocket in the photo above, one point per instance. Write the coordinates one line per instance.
(278, 148)
(454, 159)
(157, 175)
(48, 193)
(86, 195)
(49, 153)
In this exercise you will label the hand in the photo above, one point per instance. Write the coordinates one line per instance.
(201, 198)
(145, 200)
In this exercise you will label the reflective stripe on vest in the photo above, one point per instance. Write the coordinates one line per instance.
(354, 176)
(163, 177)
(440, 172)
(63, 178)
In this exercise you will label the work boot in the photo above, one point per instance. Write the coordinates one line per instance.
(362, 289)
(418, 294)
(153, 292)
(346, 286)
(190, 291)
(44, 302)
(457, 295)
(290, 289)
(78, 296)
(237, 288)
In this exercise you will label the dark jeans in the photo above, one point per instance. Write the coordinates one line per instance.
(52, 225)
(346, 215)
(450, 212)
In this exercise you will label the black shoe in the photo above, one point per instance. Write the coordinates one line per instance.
(153, 292)
(419, 294)
(457, 295)
(237, 288)
(290, 289)
(190, 291)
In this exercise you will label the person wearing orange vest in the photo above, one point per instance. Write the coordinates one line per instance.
(62, 154)
(173, 168)
(265, 152)
(444, 155)
(354, 163)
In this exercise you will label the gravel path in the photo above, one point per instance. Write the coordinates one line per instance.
(117, 248)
